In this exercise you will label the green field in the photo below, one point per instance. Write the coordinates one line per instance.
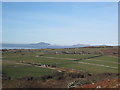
(14, 70)
(73, 56)
(101, 63)
(107, 58)
(88, 68)
(18, 71)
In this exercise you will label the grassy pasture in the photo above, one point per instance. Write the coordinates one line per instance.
(73, 56)
(41, 60)
(15, 70)
(107, 58)
(18, 71)
(88, 68)
(101, 63)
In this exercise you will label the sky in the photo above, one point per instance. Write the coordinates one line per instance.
(60, 23)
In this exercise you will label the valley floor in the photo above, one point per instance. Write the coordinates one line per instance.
(76, 67)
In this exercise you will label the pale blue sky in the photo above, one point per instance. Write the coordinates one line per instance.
(61, 23)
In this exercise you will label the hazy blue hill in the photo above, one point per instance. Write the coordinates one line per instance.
(37, 46)
(41, 44)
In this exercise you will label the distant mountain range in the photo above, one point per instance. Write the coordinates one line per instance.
(38, 46)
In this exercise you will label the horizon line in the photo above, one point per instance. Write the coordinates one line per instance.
(66, 44)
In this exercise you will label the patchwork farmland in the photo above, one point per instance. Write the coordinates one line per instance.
(50, 67)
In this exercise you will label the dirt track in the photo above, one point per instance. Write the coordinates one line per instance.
(98, 65)
(103, 61)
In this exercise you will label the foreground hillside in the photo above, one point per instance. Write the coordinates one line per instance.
(87, 67)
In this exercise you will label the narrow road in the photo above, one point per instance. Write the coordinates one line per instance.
(103, 61)
(98, 65)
